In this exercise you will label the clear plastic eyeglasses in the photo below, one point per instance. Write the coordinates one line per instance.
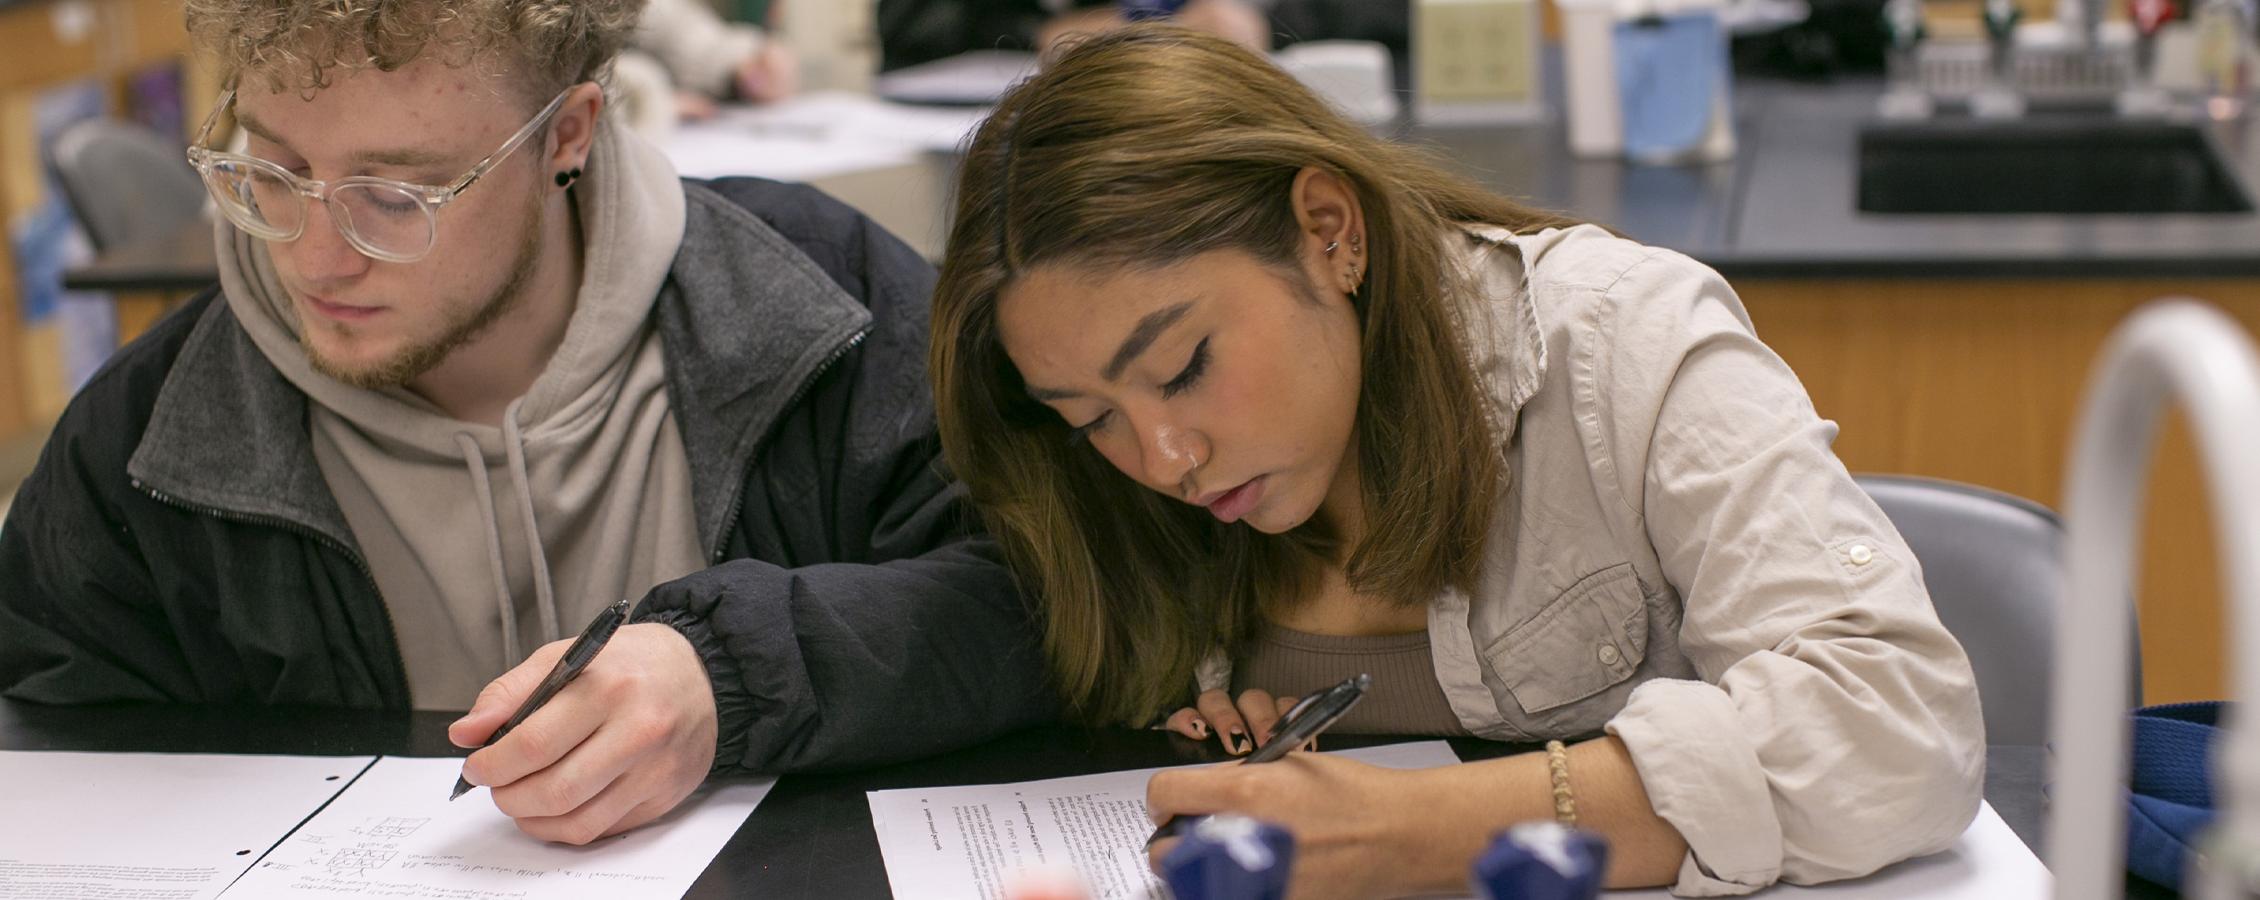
(385, 219)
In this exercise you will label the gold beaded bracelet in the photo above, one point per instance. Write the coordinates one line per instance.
(1557, 765)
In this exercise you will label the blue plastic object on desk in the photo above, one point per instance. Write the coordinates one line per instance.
(1542, 861)
(1230, 858)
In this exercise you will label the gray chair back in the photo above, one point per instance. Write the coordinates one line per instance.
(1993, 563)
(125, 182)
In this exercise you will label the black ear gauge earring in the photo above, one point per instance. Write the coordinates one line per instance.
(567, 177)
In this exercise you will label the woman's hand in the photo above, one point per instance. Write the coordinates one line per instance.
(1241, 726)
(1362, 830)
(1349, 819)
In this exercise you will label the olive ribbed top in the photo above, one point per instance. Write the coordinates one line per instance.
(1404, 699)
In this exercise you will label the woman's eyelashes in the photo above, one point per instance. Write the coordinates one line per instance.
(1081, 434)
(1185, 380)
(1191, 374)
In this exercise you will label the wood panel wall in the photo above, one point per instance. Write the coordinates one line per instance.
(50, 44)
(1980, 381)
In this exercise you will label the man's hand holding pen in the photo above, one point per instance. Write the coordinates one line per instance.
(621, 745)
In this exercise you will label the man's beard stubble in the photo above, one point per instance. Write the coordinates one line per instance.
(417, 359)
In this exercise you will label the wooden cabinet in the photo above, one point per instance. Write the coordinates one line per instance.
(1980, 381)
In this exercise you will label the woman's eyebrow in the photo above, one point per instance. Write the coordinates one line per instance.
(1143, 336)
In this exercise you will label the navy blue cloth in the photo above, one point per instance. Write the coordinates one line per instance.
(2170, 791)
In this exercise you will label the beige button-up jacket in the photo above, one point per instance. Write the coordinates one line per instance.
(1679, 559)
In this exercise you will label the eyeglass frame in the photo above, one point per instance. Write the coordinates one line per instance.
(430, 198)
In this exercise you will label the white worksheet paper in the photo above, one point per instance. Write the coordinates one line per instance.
(154, 826)
(395, 834)
(816, 135)
(967, 842)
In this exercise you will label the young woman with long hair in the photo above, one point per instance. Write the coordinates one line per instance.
(1253, 400)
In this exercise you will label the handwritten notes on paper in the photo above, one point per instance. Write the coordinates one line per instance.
(394, 834)
(152, 826)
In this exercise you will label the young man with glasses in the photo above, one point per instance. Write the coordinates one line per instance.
(480, 365)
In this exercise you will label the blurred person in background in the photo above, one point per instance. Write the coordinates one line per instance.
(685, 58)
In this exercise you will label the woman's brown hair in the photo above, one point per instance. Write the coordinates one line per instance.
(1142, 148)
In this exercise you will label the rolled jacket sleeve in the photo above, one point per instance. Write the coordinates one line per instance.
(1836, 729)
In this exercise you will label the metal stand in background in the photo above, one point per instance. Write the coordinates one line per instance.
(2173, 350)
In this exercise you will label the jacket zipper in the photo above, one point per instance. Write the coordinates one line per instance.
(737, 493)
(359, 565)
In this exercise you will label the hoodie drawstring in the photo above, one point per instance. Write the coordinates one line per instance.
(514, 449)
(477, 463)
(544, 594)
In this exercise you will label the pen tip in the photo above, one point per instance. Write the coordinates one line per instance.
(461, 787)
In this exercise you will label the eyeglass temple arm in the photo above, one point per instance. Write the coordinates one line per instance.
(212, 119)
(511, 146)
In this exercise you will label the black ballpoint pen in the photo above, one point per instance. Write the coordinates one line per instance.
(569, 667)
(1303, 722)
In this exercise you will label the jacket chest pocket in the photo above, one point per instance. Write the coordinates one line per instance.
(1589, 639)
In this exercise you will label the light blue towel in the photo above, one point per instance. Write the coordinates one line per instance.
(1671, 72)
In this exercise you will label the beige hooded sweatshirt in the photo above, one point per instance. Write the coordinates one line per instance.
(488, 542)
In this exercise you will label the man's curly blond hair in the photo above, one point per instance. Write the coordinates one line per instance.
(542, 45)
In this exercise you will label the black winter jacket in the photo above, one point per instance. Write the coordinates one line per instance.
(177, 541)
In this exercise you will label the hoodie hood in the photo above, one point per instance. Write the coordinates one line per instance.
(469, 528)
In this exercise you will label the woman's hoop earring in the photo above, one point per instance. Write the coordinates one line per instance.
(1331, 246)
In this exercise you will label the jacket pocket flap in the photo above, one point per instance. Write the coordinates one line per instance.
(1592, 636)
